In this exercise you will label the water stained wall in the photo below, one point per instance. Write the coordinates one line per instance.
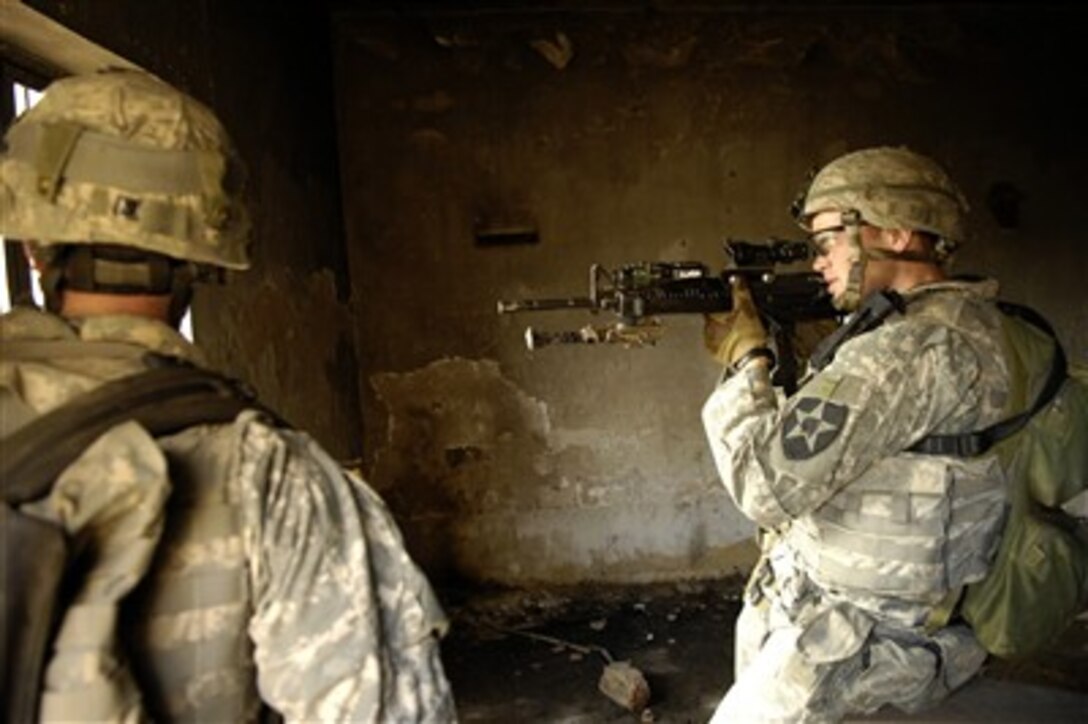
(479, 155)
(496, 155)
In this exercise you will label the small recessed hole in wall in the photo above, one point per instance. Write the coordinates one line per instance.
(1004, 201)
(458, 456)
(507, 236)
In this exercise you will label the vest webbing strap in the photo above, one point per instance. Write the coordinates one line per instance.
(163, 400)
(971, 444)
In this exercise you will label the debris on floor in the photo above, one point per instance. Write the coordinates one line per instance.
(625, 685)
(620, 681)
(536, 656)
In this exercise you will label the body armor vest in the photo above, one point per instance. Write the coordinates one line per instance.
(914, 526)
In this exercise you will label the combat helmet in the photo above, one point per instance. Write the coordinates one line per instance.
(891, 188)
(122, 161)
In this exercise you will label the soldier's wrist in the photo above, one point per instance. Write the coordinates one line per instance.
(763, 356)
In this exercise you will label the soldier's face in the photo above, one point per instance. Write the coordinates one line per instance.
(834, 256)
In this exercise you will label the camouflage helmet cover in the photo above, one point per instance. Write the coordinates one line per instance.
(119, 157)
(893, 188)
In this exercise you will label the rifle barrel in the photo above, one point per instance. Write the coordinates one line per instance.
(535, 339)
(544, 305)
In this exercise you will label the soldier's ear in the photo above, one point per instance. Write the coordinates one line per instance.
(897, 239)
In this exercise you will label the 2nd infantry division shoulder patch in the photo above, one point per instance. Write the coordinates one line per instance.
(811, 426)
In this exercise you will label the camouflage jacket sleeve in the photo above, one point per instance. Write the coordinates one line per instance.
(884, 391)
(345, 625)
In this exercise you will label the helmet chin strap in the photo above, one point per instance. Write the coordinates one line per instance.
(106, 269)
(921, 257)
(851, 298)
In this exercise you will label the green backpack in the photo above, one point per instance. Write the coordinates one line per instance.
(1039, 580)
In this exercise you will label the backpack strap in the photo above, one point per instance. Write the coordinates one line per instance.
(971, 444)
(165, 399)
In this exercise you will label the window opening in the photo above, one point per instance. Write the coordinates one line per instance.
(18, 281)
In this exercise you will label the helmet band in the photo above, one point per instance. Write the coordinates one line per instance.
(66, 152)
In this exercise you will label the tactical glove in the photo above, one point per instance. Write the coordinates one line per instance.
(731, 335)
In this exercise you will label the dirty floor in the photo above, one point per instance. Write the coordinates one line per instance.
(520, 656)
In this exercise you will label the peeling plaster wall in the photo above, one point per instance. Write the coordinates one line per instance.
(622, 136)
(523, 500)
(293, 340)
(614, 135)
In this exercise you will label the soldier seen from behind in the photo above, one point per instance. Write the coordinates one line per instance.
(228, 569)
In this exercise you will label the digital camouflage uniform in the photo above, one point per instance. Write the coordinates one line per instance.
(861, 539)
(277, 576)
(226, 565)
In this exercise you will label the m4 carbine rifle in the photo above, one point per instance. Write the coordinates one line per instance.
(639, 293)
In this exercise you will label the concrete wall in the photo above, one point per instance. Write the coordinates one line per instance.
(622, 136)
(614, 136)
